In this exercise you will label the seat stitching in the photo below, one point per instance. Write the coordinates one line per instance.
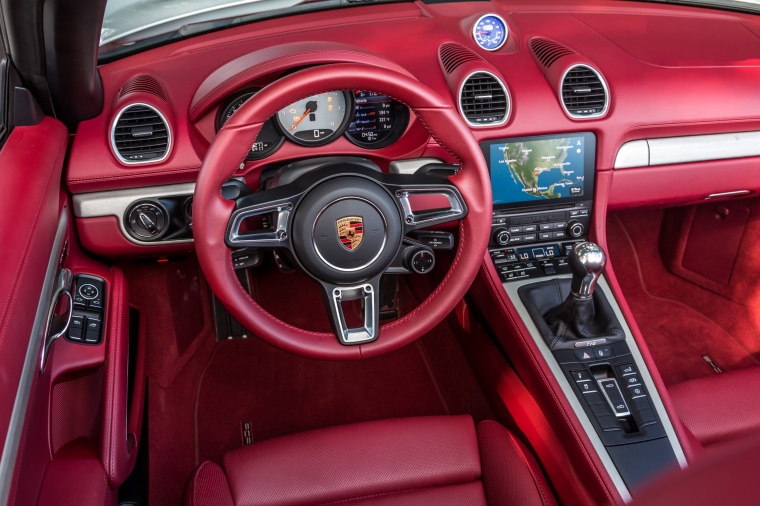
(406, 491)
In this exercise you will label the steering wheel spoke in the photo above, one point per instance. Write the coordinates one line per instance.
(369, 294)
(274, 236)
(435, 191)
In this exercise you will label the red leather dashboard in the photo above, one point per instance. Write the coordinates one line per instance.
(671, 71)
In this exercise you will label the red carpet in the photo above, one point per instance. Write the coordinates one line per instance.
(200, 391)
(680, 320)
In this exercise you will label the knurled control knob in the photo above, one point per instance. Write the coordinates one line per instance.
(501, 236)
(420, 260)
(147, 221)
(575, 229)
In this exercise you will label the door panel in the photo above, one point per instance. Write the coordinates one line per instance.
(33, 231)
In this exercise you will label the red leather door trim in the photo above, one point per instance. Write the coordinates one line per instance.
(31, 162)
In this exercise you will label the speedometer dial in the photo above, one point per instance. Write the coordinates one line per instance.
(269, 138)
(316, 120)
(490, 32)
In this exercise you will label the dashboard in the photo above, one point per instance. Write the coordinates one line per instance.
(633, 75)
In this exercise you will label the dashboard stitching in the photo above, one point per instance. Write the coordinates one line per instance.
(202, 102)
(85, 180)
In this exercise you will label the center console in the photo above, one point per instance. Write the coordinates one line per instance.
(543, 196)
(543, 191)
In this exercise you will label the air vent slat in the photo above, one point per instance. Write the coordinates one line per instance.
(141, 134)
(584, 94)
(452, 55)
(547, 52)
(483, 100)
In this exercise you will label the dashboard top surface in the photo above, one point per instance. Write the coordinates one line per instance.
(671, 71)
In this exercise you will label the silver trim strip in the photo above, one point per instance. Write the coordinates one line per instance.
(410, 166)
(116, 203)
(632, 154)
(654, 396)
(607, 100)
(143, 162)
(690, 148)
(506, 31)
(28, 373)
(735, 193)
(507, 113)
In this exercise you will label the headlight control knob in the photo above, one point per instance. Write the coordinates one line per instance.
(147, 220)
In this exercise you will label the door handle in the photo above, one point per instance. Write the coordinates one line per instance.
(57, 326)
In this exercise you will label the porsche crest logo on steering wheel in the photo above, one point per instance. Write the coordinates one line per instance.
(350, 231)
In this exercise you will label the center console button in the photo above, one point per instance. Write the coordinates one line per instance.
(546, 226)
(626, 369)
(530, 237)
(632, 380)
(561, 234)
(515, 230)
(545, 236)
(580, 375)
(529, 228)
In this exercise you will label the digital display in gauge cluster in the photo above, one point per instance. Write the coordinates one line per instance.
(378, 120)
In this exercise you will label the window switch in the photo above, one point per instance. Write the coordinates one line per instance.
(76, 328)
(93, 325)
(95, 304)
(92, 337)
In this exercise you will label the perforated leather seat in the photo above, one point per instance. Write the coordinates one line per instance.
(429, 460)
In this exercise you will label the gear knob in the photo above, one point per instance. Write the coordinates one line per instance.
(587, 261)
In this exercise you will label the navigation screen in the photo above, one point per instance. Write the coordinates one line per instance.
(538, 170)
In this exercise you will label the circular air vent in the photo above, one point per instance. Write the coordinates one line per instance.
(140, 134)
(584, 93)
(484, 100)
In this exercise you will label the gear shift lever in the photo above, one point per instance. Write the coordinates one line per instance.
(587, 261)
(573, 314)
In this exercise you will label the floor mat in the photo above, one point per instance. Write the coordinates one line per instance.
(201, 391)
(679, 320)
(279, 394)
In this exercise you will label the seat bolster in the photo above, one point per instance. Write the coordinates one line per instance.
(510, 473)
(208, 487)
(721, 407)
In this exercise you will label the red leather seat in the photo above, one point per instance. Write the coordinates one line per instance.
(430, 460)
(719, 408)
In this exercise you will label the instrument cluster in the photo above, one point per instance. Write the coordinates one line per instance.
(368, 119)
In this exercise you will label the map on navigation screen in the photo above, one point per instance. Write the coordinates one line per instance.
(529, 171)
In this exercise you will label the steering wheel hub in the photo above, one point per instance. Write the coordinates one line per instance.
(347, 230)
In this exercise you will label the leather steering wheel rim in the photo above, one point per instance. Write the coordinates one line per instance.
(211, 211)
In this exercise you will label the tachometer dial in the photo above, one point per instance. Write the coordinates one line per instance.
(490, 32)
(316, 120)
(378, 121)
(269, 138)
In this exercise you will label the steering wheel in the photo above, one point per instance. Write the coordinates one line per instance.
(313, 211)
